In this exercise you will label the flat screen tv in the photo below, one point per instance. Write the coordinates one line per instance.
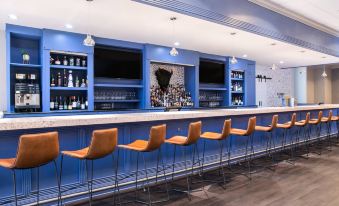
(211, 72)
(117, 63)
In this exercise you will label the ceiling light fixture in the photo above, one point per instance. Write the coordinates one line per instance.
(273, 44)
(13, 16)
(323, 57)
(245, 55)
(69, 26)
(234, 60)
(324, 75)
(302, 51)
(174, 52)
(274, 67)
(281, 62)
(233, 33)
(89, 41)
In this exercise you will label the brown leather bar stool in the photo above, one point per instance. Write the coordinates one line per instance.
(194, 132)
(34, 151)
(286, 129)
(219, 137)
(249, 133)
(336, 120)
(327, 121)
(103, 143)
(269, 131)
(156, 138)
(317, 124)
(304, 132)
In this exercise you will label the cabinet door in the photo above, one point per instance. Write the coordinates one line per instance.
(250, 84)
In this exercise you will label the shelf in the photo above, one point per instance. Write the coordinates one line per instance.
(235, 92)
(69, 88)
(76, 110)
(114, 101)
(68, 67)
(213, 89)
(25, 65)
(219, 100)
(237, 79)
(119, 85)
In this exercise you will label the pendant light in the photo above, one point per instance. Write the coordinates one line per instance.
(234, 60)
(274, 67)
(174, 52)
(89, 41)
(324, 73)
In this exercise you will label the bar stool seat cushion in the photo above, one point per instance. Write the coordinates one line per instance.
(286, 125)
(240, 132)
(300, 123)
(137, 145)
(211, 135)
(335, 118)
(263, 128)
(324, 119)
(178, 140)
(80, 154)
(314, 121)
(7, 163)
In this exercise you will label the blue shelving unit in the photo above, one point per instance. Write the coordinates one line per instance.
(25, 65)
(119, 85)
(69, 88)
(113, 101)
(68, 67)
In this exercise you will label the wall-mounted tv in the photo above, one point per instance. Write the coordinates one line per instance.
(116, 63)
(211, 72)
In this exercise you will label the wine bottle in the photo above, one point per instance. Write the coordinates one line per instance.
(74, 103)
(59, 80)
(52, 81)
(69, 103)
(65, 79)
(65, 62)
(82, 104)
(86, 104)
(56, 104)
(51, 104)
(77, 81)
(65, 103)
(78, 103)
(70, 79)
(61, 106)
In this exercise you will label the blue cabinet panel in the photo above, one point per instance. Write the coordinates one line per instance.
(65, 41)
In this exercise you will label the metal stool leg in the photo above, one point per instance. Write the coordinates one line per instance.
(60, 175)
(14, 182)
(88, 182)
(173, 165)
(58, 182)
(164, 173)
(148, 190)
(116, 185)
(38, 185)
(136, 178)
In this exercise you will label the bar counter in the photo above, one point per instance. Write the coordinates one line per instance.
(75, 133)
(96, 119)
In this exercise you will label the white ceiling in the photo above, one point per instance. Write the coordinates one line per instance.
(131, 21)
(321, 14)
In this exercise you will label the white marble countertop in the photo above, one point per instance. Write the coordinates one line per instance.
(78, 120)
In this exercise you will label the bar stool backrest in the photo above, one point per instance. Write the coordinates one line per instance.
(194, 132)
(226, 130)
(308, 117)
(320, 115)
(103, 143)
(157, 137)
(330, 114)
(251, 126)
(35, 150)
(293, 120)
(274, 122)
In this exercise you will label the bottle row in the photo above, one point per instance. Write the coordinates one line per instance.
(115, 94)
(68, 60)
(238, 100)
(210, 104)
(236, 87)
(68, 103)
(237, 75)
(65, 79)
(210, 96)
(174, 95)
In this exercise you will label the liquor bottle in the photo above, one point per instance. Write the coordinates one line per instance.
(57, 61)
(70, 104)
(83, 62)
(61, 105)
(65, 79)
(71, 61)
(51, 104)
(77, 62)
(59, 80)
(52, 81)
(83, 84)
(74, 103)
(70, 79)
(77, 81)
(83, 106)
(86, 104)
(65, 103)
(78, 103)
(56, 104)
(65, 62)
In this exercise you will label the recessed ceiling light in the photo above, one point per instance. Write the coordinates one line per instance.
(273, 44)
(176, 43)
(245, 55)
(233, 33)
(281, 62)
(13, 16)
(69, 26)
(323, 57)
(302, 51)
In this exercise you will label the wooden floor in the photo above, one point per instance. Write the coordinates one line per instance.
(310, 182)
